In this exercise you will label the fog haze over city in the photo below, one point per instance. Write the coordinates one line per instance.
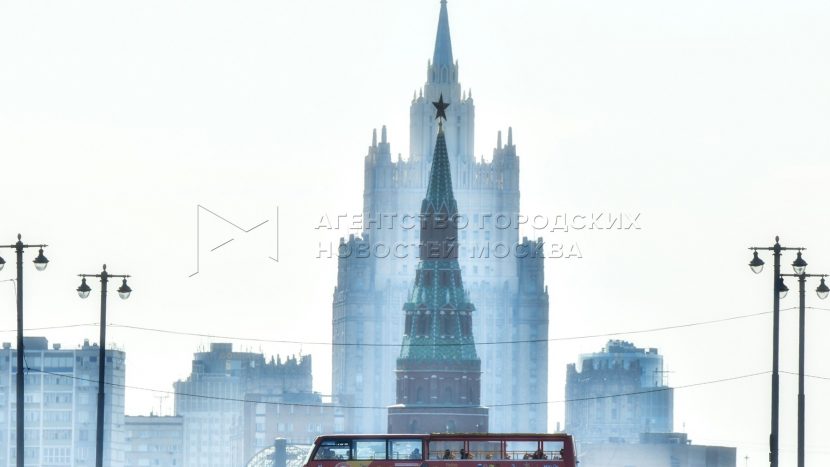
(706, 122)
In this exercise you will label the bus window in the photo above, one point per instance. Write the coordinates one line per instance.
(333, 449)
(485, 450)
(367, 449)
(554, 449)
(405, 449)
(445, 449)
(521, 449)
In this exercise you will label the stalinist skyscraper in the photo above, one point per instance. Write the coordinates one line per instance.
(511, 319)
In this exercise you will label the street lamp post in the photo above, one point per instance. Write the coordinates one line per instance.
(40, 264)
(822, 291)
(123, 292)
(757, 265)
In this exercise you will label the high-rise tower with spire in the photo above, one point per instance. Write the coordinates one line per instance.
(508, 290)
(438, 371)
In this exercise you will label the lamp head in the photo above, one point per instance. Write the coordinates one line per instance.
(799, 265)
(782, 288)
(822, 290)
(757, 264)
(83, 289)
(125, 290)
(41, 262)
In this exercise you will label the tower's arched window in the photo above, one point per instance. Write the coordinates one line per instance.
(448, 394)
(444, 278)
(419, 395)
(446, 324)
(407, 327)
(466, 324)
(426, 324)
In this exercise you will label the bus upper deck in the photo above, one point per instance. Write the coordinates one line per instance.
(444, 449)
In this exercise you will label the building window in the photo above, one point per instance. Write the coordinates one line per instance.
(448, 394)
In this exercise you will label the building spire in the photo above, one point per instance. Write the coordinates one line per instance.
(442, 56)
(442, 68)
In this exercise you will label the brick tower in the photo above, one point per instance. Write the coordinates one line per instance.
(438, 372)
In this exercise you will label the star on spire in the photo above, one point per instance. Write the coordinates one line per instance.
(440, 107)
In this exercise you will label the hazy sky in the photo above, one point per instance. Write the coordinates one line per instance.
(709, 118)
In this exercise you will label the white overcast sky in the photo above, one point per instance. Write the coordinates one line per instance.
(710, 118)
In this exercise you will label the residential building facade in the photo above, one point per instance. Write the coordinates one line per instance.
(223, 387)
(657, 450)
(617, 394)
(152, 440)
(60, 413)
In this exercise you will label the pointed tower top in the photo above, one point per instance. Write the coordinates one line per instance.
(439, 189)
(443, 45)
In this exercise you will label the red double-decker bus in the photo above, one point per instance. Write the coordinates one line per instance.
(444, 450)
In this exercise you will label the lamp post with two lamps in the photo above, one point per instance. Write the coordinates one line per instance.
(123, 292)
(40, 264)
(757, 265)
(822, 291)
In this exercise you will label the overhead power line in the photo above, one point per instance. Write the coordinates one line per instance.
(375, 344)
(398, 344)
(806, 375)
(50, 328)
(337, 406)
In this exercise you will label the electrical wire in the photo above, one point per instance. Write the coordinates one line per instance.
(396, 345)
(49, 328)
(336, 406)
(805, 375)
(480, 343)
